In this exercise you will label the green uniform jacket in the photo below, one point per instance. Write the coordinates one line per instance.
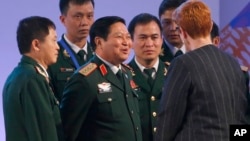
(61, 71)
(95, 106)
(149, 100)
(167, 55)
(31, 111)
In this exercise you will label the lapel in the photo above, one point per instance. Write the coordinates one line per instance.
(167, 54)
(127, 80)
(139, 78)
(107, 73)
(159, 79)
(65, 55)
(90, 51)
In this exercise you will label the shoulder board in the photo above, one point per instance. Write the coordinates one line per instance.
(167, 63)
(89, 68)
(244, 68)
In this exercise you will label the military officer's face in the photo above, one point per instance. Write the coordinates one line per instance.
(48, 49)
(147, 41)
(78, 20)
(170, 29)
(116, 47)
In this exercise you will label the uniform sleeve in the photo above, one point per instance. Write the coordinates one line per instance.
(173, 102)
(76, 102)
(38, 112)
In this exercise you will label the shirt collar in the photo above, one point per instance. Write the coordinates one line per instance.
(114, 68)
(74, 47)
(44, 70)
(141, 67)
(174, 49)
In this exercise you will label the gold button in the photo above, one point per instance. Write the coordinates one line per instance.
(154, 129)
(154, 114)
(152, 98)
(109, 99)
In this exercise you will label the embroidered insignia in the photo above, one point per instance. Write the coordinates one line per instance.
(67, 69)
(66, 54)
(103, 69)
(244, 68)
(167, 63)
(165, 71)
(42, 73)
(133, 85)
(89, 68)
(128, 67)
(104, 87)
(162, 52)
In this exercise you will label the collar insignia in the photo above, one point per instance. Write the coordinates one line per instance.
(103, 69)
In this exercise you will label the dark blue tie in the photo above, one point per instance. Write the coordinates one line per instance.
(178, 53)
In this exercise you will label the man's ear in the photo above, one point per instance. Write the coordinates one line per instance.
(98, 41)
(216, 41)
(35, 45)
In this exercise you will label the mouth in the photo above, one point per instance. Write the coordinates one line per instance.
(148, 51)
(125, 51)
(84, 30)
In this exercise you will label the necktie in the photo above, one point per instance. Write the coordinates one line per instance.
(119, 75)
(149, 73)
(82, 54)
(179, 52)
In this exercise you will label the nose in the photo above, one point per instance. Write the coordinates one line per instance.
(149, 42)
(57, 47)
(84, 20)
(173, 26)
(126, 40)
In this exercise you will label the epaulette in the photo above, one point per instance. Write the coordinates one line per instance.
(128, 67)
(88, 69)
(244, 68)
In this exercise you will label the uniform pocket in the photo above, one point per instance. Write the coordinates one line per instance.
(63, 76)
(109, 105)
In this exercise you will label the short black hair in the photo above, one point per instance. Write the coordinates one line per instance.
(30, 28)
(142, 19)
(215, 31)
(169, 4)
(64, 4)
(101, 28)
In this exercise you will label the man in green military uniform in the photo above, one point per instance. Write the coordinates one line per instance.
(99, 103)
(77, 16)
(31, 112)
(145, 30)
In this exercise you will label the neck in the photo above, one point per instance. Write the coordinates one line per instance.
(147, 63)
(37, 59)
(193, 44)
(80, 42)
